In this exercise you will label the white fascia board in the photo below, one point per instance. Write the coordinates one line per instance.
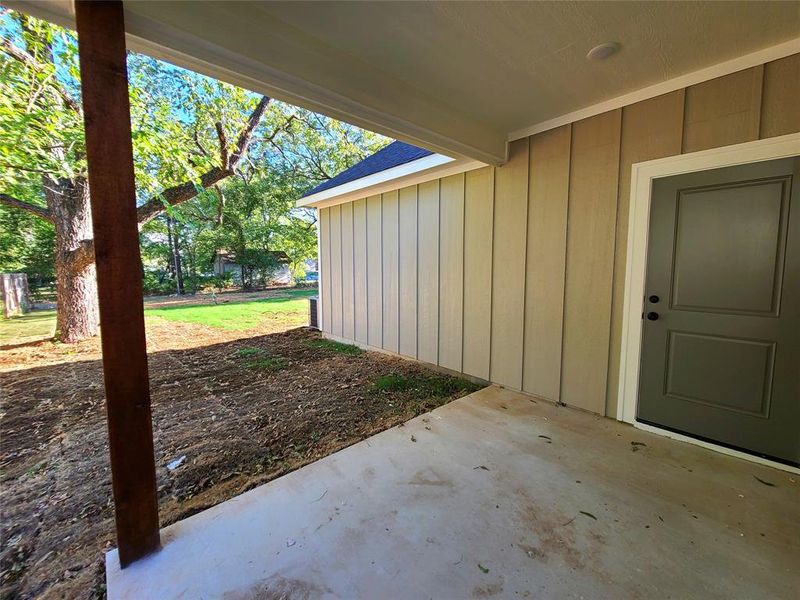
(417, 171)
(739, 63)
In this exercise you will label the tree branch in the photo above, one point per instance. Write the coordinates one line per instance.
(247, 132)
(223, 144)
(25, 58)
(196, 136)
(178, 194)
(28, 169)
(189, 189)
(284, 127)
(39, 211)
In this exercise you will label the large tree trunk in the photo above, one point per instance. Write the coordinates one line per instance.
(69, 210)
(76, 282)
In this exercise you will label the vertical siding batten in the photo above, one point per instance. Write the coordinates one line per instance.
(544, 272)
(594, 170)
(451, 271)
(335, 232)
(723, 111)
(508, 268)
(374, 272)
(360, 270)
(391, 255)
(780, 109)
(407, 321)
(325, 261)
(478, 226)
(348, 304)
(428, 261)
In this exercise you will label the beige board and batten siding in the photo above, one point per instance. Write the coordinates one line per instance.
(335, 232)
(407, 292)
(348, 265)
(515, 274)
(391, 264)
(428, 272)
(359, 270)
(477, 297)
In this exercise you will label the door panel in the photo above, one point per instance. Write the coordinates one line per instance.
(728, 373)
(721, 357)
(726, 235)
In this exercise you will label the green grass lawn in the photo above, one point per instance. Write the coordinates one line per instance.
(291, 307)
(239, 315)
(34, 326)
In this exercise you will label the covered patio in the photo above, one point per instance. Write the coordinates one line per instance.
(499, 493)
(495, 494)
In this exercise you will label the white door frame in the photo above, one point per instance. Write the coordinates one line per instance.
(642, 176)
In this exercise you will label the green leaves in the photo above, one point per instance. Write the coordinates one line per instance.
(174, 113)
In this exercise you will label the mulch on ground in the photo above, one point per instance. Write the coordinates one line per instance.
(242, 410)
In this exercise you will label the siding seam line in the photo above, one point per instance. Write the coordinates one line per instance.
(760, 107)
(416, 258)
(330, 265)
(321, 283)
(525, 263)
(614, 273)
(438, 270)
(397, 270)
(614, 247)
(366, 263)
(491, 271)
(463, 249)
(399, 275)
(683, 119)
(383, 300)
(560, 397)
(341, 272)
(353, 260)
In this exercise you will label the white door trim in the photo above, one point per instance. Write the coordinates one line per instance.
(642, 176)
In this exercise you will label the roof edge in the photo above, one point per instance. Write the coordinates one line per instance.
(417, 171)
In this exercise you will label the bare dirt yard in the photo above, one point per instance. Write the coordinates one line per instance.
(243, 406)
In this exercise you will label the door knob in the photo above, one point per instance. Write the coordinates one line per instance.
(652, 316)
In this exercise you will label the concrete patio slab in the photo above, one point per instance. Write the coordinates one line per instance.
(493, 495)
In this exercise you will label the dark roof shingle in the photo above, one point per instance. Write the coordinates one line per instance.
(395, 154)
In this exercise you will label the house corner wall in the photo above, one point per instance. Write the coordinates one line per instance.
(516, 274)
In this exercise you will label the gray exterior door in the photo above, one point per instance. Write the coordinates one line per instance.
(721, 339)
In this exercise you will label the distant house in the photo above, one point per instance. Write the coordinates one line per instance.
(225, 263)
(311, 266)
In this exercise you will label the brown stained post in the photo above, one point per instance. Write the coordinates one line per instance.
(109, 150)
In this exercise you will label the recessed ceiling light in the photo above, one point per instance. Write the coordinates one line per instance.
(603, 51)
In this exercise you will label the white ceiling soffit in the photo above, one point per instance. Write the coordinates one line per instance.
(459, 78)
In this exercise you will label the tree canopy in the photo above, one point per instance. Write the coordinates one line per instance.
(190, 160)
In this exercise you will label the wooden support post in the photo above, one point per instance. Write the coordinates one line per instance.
(109, 151)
